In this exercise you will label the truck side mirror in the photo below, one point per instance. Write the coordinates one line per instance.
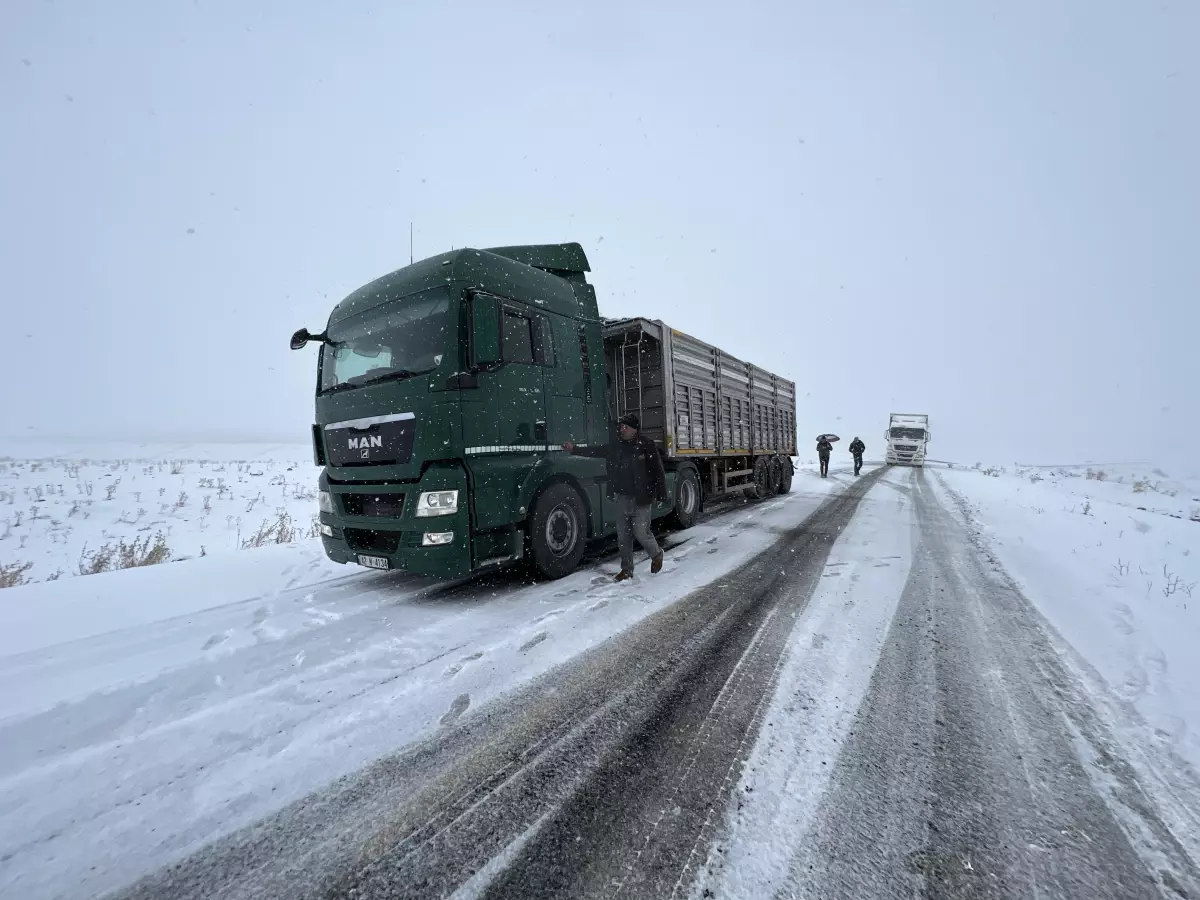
(302, 337)
(485, 332)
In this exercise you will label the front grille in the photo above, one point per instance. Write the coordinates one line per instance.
(381, 505)
(365, 540)
(907, 447)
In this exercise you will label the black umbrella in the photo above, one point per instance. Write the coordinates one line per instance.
(828, 437)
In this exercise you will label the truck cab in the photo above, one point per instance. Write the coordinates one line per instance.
(444, 393)
(907, 438)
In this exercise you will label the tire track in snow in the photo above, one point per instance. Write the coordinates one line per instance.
(976, 767)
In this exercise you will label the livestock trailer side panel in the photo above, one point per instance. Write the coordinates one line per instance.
(735, 406)
(785, 401)
(693, 369)
(763, 409)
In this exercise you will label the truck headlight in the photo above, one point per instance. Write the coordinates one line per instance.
(437, 503)
(437, 538)
(325, 499)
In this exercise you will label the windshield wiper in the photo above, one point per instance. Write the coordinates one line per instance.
(393, 375)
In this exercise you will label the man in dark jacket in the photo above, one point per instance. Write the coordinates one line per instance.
(857, 448)
(637, 478)
(824, 448)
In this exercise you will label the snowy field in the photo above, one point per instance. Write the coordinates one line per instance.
(161, 707)
(68, 510)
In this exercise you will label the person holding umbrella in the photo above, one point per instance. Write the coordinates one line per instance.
(824, 448)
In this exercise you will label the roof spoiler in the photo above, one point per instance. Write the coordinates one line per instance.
(556, 258)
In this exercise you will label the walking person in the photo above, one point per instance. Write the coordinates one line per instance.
(857, 448)
(637, 478)
(824, 448)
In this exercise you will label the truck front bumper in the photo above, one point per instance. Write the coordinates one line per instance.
(394, 551)
(438, 546)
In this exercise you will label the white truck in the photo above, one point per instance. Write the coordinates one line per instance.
(907, 437)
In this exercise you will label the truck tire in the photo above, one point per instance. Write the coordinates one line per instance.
(687, 499)
(775, 471)
(785, 475)
(762, 479)
(558, 531)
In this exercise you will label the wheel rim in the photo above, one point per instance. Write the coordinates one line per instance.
(687, 496)
(561, 531)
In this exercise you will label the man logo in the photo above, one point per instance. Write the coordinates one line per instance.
(365, 444)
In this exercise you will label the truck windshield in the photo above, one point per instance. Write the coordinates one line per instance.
(908, 434)
(394, 340)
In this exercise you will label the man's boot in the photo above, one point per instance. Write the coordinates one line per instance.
(656, 564)
(623, 575)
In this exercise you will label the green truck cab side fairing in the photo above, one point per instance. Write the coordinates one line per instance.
(411, 403)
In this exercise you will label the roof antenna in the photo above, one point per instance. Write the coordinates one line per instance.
(410, 258)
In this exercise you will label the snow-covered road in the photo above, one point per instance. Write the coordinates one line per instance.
(840, 693)
(225, 688)
(957, 756)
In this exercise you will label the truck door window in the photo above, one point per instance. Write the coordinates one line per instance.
(543, 341)
(518, 337)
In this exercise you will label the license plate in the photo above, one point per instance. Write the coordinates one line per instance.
(374, 562)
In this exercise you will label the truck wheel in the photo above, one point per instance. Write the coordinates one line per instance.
(762, 479)
(558, 531)
(687, 499)
(775, 471)
(785, 475)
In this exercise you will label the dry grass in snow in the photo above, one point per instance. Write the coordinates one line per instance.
(63, 517)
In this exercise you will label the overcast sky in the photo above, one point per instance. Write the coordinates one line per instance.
(987, 211)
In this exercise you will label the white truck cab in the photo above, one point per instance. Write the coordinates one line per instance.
(907, 437)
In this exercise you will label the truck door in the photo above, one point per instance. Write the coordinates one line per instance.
(520, 391)
(566, 380)
(505, 428)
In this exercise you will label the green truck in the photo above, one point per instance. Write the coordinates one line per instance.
(446, 389)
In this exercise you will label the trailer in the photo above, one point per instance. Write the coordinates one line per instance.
(731, 419)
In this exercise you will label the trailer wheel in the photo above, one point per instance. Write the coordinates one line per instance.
(558, 531)
(687, 499)
(775, 471)
(762, 479)
(785, 475)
